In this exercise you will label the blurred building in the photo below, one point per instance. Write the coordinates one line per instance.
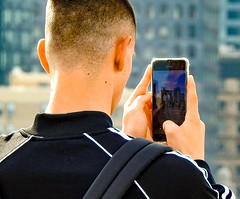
(229, 63)
(38, 32)
(16, 38)
(167, 28)
(229, 112)
(208, 77)
(170, 28)
(229, 46)
(230, 20)
(27, 94)
(229, 134)
(19, 28)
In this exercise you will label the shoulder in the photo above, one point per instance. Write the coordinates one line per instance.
(11, 142)
(176, 176)
(12, 136)
(178, 164)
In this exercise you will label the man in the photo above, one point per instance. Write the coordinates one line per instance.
(88, 54)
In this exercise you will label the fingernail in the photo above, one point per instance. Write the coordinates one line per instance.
(167, 125)
(191, 76)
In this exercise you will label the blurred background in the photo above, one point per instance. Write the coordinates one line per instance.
(207, 32)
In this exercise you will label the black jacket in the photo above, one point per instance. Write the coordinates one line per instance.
(64, 153)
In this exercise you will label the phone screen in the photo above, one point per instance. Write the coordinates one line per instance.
(169, 94)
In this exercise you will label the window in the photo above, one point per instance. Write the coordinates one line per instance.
(163, 11)
(234, 14)
(238, 106)
(150, 12)
(163, 32)
(238, 128)
(37, 32)
(192, 51)
(178, 31)
(148, 52)
(18, 17)
(238, 148)
(7, 16)
(192, 31)
(149, 32)
(192, 12)
(233, 31)
(178, 12)
(163, 51)
(9, 37)
(27, 4)
(238, 170)
(26, 16)
(25, 40)
(222, 105)
(11, 109)
(177, 51)
(16, 59)
(221, 147)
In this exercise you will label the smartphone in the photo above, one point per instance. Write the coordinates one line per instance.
(169, 93)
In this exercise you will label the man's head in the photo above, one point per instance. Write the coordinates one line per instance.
(89, 44)
(83, 31)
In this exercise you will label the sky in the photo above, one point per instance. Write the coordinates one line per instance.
(170, 79)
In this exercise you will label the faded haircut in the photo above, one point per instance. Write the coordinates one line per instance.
(85, 30)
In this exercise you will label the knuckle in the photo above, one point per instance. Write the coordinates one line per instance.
(202, 124)
(193, 118)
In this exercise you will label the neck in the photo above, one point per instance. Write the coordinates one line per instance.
(74, 92)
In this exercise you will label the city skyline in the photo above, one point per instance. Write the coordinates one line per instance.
(170, 80)
(21, 26)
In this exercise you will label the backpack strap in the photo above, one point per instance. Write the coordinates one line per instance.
(10, 143)
(124, 167)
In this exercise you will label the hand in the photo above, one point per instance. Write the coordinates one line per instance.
(137, 115)
(189, 138)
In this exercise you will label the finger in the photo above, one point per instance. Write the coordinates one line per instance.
(142, 87)
(170, 129)
(142, 100)
(192, 100)
(149, 104)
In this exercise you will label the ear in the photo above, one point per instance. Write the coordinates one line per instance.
(121, 50)
(42, 55)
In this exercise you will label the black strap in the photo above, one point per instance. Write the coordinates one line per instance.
(124, 167)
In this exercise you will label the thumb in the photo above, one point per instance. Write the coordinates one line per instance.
(170, 129)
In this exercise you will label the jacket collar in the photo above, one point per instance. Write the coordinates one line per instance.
(52, 125)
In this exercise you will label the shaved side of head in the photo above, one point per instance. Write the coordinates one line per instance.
(82, 32)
